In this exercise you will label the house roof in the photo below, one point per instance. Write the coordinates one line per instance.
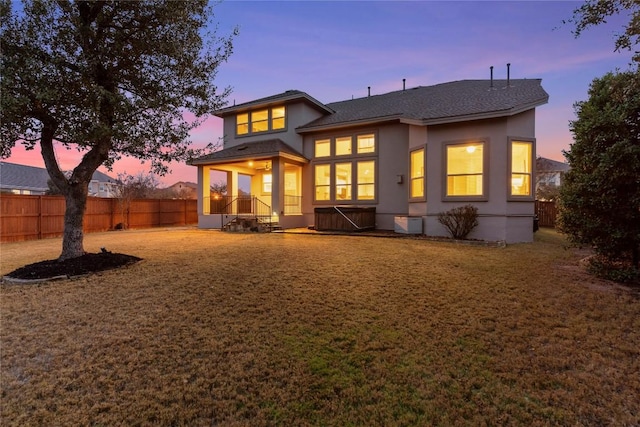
(251, 150)
(547, 165)
(285, 97)
(22, 177)
(443, 103)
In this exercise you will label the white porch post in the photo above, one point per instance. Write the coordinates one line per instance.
(204, 190)
(232, 184)
(277, 186)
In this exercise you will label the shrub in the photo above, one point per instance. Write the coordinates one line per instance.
(459, 221)
(616, 270)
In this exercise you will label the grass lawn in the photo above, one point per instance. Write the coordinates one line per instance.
(300, 330)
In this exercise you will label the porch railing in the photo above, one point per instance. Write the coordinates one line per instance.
(230, 205)
(241, 206)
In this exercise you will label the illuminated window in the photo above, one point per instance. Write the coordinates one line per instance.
(261, 120)
(366, 180)
(323, 148)
(521, 160)
(277, 118)
(242, 123)
(343, 146)
(417, 174)
(323, 182)
(343, 181)
(465, 167)
(266, 183)
(366, 144)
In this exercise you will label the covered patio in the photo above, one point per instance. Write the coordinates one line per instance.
(274, 197)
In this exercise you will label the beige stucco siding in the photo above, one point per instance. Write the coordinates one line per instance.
(392, 142)
(500, 219)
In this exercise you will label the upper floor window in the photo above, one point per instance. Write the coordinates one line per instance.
(323, 148)
(264, 120)
(366, 144)
(465, 169)
(521, 169)
(417, 174)
(344, 146)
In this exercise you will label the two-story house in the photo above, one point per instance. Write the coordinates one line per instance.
(409, 153)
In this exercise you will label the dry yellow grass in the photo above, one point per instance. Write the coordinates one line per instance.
(280, 329)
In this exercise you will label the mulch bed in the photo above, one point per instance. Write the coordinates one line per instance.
(86, 264)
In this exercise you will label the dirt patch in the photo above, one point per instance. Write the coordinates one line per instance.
(86, 264)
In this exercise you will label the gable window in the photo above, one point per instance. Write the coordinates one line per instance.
(465, 169)
(366, 144)
(260, 121)
(277, 118)
(521, 153)
(264, 120)
(343, 181)
(417, 174)
(323, 182)
(323, 148)
(242, 124)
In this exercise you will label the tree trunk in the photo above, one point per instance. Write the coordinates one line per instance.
(72, 240)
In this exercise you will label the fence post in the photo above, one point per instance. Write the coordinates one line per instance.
(39, 217)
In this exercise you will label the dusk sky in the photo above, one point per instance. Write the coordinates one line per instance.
(334, 50)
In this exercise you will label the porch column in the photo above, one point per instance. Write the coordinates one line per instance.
(232, 184)
(277, 186)
(204, 190)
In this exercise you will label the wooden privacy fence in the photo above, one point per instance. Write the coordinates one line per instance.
(546, 212)
(39, 217)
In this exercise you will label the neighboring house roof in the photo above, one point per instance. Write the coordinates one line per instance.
(285, 97)
(22, 177)
(443, 103)
(183, 184)
(254, 150)
(547, 165)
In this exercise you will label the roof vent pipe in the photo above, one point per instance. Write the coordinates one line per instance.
(491, 69)
(369, 90)
(508, 74)
(403, 84)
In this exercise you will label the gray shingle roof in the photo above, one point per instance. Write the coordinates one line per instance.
(442, 103)
(254, 150)
(285, 97)
(22, 177)
(548, 165)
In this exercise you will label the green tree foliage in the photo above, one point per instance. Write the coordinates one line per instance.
(600, 196)
(595, 12)
(108, 79)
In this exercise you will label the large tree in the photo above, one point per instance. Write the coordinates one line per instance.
(600, 195)
(596, 12)
(106, 78)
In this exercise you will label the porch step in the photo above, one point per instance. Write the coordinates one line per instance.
(275, 227)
